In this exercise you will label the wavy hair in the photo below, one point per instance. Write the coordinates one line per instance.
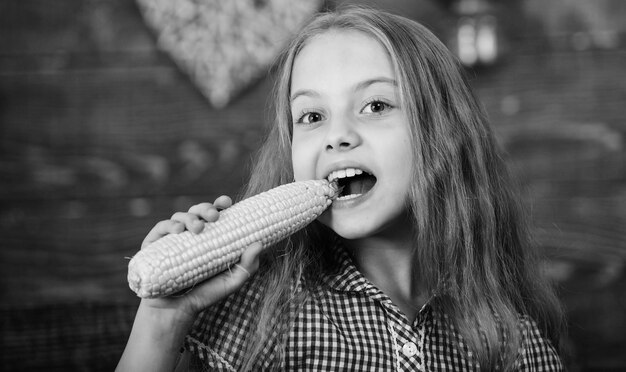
(472, 246)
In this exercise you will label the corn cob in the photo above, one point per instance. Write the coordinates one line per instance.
(179, 261)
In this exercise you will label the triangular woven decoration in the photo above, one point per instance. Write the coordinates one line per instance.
(224, 45)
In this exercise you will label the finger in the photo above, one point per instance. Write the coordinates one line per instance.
(223, 202)
(191, 221)
(161, 229)
(206, 211)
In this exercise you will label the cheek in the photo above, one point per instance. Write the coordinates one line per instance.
(407, 153)
(299, 170)
(302, 161)
(400, 159)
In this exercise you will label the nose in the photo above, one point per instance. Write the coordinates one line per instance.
(342, 135)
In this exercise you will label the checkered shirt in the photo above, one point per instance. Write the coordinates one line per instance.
(347, 324)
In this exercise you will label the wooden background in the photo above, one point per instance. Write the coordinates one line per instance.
(101, 136)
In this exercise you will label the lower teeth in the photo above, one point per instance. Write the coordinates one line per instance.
(348, 197)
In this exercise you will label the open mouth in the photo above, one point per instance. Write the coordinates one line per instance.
(353, 182)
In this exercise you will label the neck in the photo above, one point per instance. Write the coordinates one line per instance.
(386, 260)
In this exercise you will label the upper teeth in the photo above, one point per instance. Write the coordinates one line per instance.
(343, 173)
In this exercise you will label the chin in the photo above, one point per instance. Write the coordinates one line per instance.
(347, 231)
(351, 235)
(353, 227)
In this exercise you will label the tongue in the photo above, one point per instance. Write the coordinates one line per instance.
(359, 185)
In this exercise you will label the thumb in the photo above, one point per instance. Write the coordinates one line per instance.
(228, 281)
(249, 262)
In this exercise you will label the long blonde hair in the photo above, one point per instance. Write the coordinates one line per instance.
(472, 247)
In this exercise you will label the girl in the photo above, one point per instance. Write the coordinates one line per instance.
(422, 264)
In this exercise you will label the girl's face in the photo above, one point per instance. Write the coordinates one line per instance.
(348, 124)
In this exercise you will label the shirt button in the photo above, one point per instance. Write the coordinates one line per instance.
(409, 349)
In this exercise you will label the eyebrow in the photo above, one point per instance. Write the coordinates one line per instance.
(364, 84)
(304, 92)
(360, 86)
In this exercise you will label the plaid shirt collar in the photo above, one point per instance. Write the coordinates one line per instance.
(347, 278)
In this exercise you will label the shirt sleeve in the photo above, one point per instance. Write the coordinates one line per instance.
(538, 354)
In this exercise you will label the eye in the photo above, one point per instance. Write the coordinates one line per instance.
(309, 117)
(375, 107)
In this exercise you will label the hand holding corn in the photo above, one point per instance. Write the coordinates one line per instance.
(179, 261)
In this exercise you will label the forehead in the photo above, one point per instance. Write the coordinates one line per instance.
(340, 55)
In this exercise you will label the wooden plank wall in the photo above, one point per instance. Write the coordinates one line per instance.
(101, 136)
